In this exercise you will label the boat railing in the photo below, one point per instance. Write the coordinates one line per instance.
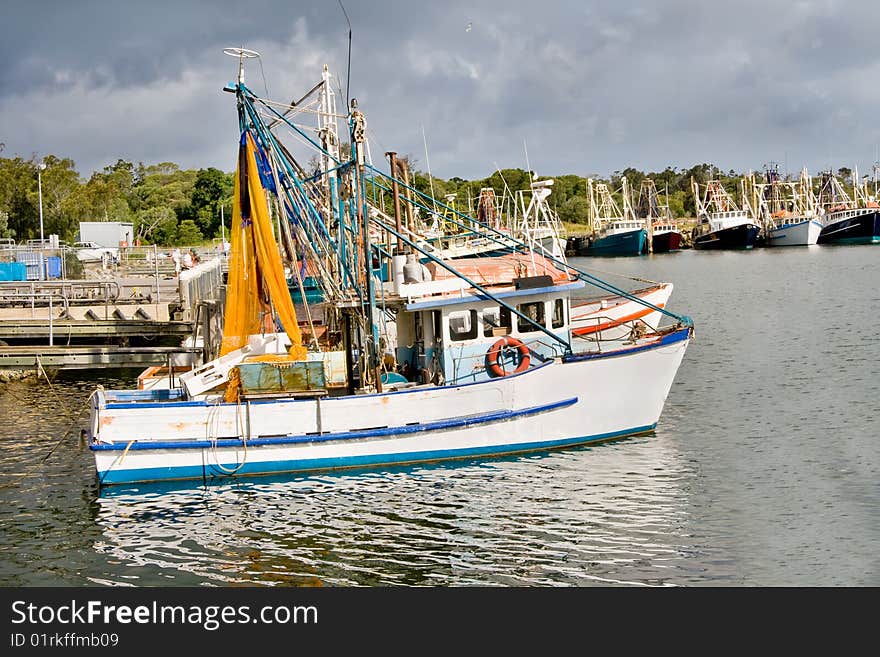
(604, 323)
(65, 310)
(848, 214)
(65, 292)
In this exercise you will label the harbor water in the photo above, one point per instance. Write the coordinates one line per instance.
(764, 470)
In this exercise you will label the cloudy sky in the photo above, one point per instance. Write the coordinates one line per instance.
(582, 86)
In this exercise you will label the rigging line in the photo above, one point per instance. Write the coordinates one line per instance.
(266, 86)
(299, 126)
(289, 116)
(292, 111)
(294, 105)
(348, 74)
(249, 99)
(311, 212)
(371, 134)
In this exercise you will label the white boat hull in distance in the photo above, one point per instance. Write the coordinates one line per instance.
(613, 317)
(803, 233)
(575, 400)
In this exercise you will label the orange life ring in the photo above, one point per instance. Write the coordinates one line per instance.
(495, 352)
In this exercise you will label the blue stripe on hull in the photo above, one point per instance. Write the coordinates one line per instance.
(379, 432)
(310, 465)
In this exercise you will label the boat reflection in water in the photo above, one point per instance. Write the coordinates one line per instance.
(610, 514)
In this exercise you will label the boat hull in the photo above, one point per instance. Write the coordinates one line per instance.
(580, 400)
(802, 233)
(666, 242)
(630, 243)
(743, 236)
(861, 228)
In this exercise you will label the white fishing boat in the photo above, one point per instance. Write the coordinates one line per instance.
(788, 209)
(486, 361)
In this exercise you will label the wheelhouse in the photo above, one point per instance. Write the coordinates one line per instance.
(450, 339)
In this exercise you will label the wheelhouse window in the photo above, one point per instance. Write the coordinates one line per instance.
(535, 312)
(496, 322)
(558, 318)
(462, 325)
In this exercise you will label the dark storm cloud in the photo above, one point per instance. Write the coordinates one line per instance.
(589, 87)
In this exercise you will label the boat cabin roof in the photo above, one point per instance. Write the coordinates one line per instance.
(502, 270)
(470, 297)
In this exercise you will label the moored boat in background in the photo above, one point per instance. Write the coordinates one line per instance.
(788, 209)
(847, 220)
(614, 232)
(722, 224)
(663, 233)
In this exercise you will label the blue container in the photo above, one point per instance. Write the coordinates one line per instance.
(13, 271)
(53, 267)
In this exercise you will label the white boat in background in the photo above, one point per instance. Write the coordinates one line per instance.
(486, 359)
(788, 209)
(793, 232)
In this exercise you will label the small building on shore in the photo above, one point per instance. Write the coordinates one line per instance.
(107, 233)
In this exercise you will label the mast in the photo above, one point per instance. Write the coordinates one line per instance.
(358, 126)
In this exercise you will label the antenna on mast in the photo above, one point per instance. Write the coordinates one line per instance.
(428, 163)
(528, 166)
(243, 54)
(348, 73)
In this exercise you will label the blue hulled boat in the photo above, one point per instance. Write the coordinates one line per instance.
(615, 233)
(622, 238)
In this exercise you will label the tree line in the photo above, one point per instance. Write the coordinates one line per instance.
(169, 205)
(166, 204)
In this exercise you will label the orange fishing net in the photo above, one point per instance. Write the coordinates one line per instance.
(256, 282)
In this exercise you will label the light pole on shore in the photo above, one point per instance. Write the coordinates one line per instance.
(40, 169)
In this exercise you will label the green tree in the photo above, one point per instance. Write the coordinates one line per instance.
(5, 231)
(18, 196)
(188, 233)
(60, 181)
(210, 189)
(157, 224)
(574, 210)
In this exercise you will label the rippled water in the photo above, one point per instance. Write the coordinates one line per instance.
(763, 470)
